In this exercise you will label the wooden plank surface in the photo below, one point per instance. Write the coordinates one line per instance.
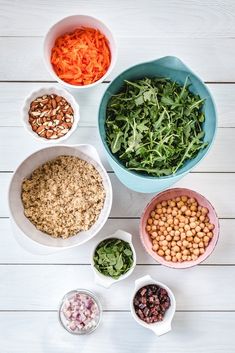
(40, 332)
(12, 253)
(132, 18)
(48, 336)
(13, 95)
(217, 187)
(39, 287)
(13, 137)
(210, 58)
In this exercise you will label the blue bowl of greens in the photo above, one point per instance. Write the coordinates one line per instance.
(157, 121)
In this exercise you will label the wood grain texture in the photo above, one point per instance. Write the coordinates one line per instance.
(42, 287)
(132, 18)
(11, 252)
(13, 95)
(218, 188)
(210, 58)
(219, 158)
(118, 333)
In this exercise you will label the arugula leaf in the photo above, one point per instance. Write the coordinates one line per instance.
(154, 125)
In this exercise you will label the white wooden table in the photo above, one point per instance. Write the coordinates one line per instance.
(202, 34)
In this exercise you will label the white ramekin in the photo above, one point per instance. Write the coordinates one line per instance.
(106, 281)
(44, 91)
(68, 24)
(161, 327)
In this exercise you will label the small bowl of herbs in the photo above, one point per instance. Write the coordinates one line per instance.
(157, 120)
(113, 259)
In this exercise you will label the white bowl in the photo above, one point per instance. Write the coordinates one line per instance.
(68, 24)
(41, 92)
(26, 233)
(161, 327)
(106, 281)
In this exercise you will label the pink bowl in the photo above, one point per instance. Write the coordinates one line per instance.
(169, 194)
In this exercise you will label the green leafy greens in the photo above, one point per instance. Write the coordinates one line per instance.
(113, 257)
(154, 125)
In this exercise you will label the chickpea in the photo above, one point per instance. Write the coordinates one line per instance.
(185, 252)
(193, 231)
(155, 222)
(188, 212)
(178, 255)
(165, 233)
(180, 204)
(155, 247)
(172, 204)
(164, 242)
(160, 252)
(172, 233)
(198, 228)
(204, 210)
(211, 226)
(148, 228)
(184, 257)
(184, 198)
(174, 259)
(156, 216)
(153, 228)
(173, 243)
(162, 237)
(179, 243)
(169, 210)
(183, 208)
(176, 248)
(168, 258)
(194, 257)
(206, 239)
(164, 248)
(173, 253)
(159, 211)
(185, 243)
(176, 227)
(174, 213)
(170, 221)
(192, 225)
(158, 238)
(164, 218)
(202, 250)
(196, 240)
(206, 230)
(201, 245)
(183, 236)
(150, 221)
(152, 214)
(193, 213)
(164, 203)
(177, 233)
(176, 237)
(168, 229)
(189, 258)
(202, 218)
(210, 235)
(187, 227)
(154, 234)
(193, 208)
(200, 234)
(189, 233)
(196, 252)
(195, 246)
(181, 225)
(158, 205)
(190, 239)
(167, 252)
(168, 237)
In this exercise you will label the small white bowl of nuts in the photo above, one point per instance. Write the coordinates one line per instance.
(179, 228)
(50, 114)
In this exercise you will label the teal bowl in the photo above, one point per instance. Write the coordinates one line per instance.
(174, 69)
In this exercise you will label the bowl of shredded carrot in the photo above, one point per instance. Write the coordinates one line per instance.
(79, 51)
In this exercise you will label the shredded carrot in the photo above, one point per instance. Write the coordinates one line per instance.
(81, 57)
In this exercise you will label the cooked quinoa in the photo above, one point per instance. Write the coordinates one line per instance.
(63, 196)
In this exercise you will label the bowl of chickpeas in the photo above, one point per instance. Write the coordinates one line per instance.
(179, 228)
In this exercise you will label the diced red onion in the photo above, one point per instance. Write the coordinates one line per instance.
(81, 312)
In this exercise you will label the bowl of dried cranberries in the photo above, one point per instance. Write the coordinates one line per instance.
(153, 305)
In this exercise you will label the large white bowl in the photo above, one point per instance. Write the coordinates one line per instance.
(68, 24)
(27, 234)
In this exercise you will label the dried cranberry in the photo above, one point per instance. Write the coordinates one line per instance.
(151, 303)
